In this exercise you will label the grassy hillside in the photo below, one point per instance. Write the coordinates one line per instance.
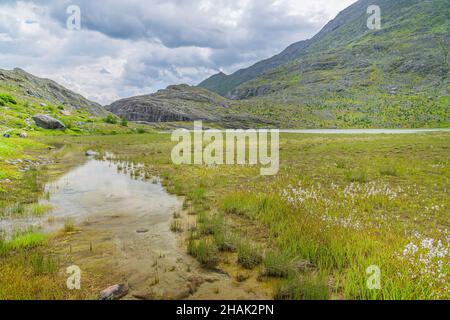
(223, 84)
(350, 76)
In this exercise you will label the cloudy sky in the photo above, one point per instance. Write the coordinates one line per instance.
(132, 47)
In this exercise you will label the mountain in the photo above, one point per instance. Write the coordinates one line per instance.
(411, 47)
(180, 103)
(33, 88)
(224, 84)
(349, 75)
(346, 76)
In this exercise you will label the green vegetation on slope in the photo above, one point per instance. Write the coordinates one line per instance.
(350, 76)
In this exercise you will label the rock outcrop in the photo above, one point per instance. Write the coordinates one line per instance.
(46, 122)
(180, 103)
(50, 91)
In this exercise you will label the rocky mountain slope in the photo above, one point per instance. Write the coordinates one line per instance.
(349, 75)
(411, 49)
(224, 84)
(33, 88)
(31, 106)
(180, 103)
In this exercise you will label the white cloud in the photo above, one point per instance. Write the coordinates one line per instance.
(138, 46)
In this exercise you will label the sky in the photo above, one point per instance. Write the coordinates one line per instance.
(133, 47)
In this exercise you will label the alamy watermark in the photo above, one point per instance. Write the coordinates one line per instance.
(74, 280)
(374, 279)
(374, 20)
(73, 22)
(228, 147)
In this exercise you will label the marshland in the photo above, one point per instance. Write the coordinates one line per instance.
(339, 205)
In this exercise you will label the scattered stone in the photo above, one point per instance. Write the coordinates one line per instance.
(114, 292)
(195, 283)
(46, 122)
(137, 279)
(91, 153)
(242, 277)
(6, 135)
(144, 295)
(177, 294)
(65, 112)
(211, 279)
(142, 230)
(14, 162)
(42, 104)
(23, 135)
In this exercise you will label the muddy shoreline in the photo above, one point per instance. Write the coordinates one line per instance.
(135, 246)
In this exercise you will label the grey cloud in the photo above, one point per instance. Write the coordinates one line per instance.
(136, 46)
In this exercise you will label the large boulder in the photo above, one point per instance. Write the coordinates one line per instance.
(47, 122)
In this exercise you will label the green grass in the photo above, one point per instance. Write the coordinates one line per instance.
(6, 99)
(360, 201)
(249, 255)
(277, 265)
(303, 288)
(22, 242)
(205, 251)
(176, 226)
(339, 204)
(43, 264)
(69, 226)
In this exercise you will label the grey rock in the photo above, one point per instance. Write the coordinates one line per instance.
(50, 91)
(6, 135)
(177, 104)
(90, 153)
(23, 135)
(142, 230)
(194, 283)
(47, 122)
(115, 292)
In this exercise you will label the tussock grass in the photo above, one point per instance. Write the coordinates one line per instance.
(311, 287)
(357, 176)
(277, 265)
(22, 242)
(43, 264)
(69, 226)
(389, 171)
(176, 226)
(205, 251)
(249, 255)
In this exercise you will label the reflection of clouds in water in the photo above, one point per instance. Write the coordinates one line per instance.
(97, 188)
